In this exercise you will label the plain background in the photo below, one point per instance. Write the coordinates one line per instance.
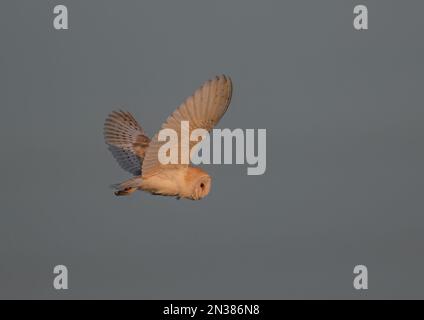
(344, 116)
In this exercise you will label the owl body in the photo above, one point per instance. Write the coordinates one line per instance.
(138, 154)
(188, 182)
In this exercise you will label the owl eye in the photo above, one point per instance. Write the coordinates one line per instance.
(202, 185)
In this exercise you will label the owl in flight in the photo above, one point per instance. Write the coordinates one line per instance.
(138, 154)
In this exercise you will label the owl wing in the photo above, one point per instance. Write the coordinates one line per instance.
(126, 140)
(202, 110)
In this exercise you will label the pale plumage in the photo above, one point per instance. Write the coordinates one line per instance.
(137, 154)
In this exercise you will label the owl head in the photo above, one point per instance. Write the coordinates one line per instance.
(199, 183)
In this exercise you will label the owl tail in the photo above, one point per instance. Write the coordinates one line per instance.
(127, 187)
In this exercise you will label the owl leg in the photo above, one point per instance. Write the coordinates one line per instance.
(125, 192)
(127, 187)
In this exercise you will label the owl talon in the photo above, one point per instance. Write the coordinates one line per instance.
(125, 192)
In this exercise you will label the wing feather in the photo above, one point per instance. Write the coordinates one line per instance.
(126, 140)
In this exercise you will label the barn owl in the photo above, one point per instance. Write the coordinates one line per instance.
(136, 153)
